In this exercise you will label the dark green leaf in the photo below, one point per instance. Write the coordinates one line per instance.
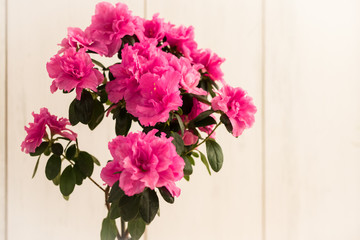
(214, 154)
(36, 167)
(149, 205)
(57, 149)
(181, 124)
(115, 193)
(67, 181)
(84, 107)
(178, 142)
(56, 180)
(108, 229)
(187, 103)
(70, 152)
(66, 198)
(136, 228)
(187, 178)
(72, 115)
(114, 212)
(103, 96)
(53, 167)
(205, 162)
(40, 149)
(191, 160)
(79, 175)
(166, 195)
(85, 163)
(97, 114)
(95, 160)
(226, 121)
(205, 122)
(129, 207)
(123, 123)
(200, 117)
(188, 170)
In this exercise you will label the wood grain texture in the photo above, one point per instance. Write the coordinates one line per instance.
(2, 119)
(312, 120)
(36, 207)
(226, 205)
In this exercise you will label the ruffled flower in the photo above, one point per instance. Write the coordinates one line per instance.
(143, 160)
(182, 38)
(73, 70)
(239, 108)
(37, 130)
(154, 28)
(110, 24)
(211, 63)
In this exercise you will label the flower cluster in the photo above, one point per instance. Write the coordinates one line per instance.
(159, 79)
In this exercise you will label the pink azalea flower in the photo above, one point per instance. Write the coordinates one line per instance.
(154, 28)
(189, 138)
(73, 70)
(211, 62)
(37, 130)
(149, 85)
(143, 160)
(110, 24)
(190, 74)
(159, 96)
(182, 38)
(239, 107)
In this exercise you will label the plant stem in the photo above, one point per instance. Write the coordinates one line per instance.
(208, 136)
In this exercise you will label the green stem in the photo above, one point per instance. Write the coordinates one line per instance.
(208, 136)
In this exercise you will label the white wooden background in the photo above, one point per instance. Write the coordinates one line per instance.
(294, 176)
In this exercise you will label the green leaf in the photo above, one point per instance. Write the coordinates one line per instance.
(114, 212)
(98, 63)
(115, 193)
(78, 175)
(166, 195)
(192, 161)
(187, 178)
(205, 122)
(200, 117)
(56, 180)
(187, 103)
(97, 115)
(129, 207)
(195, 154)
(149, 205)
(123, 123)
(181, 124)
(57, 149)
(70, 152)
(36, 167)
(53, 167)
(66, 198)
(178, 142)
(188, 170)
(85, 163)
(214, 154)
(226, 121)
(108, 229)
(84, 107)
(67, 181)
(40, 149)
(136, 228)
(95, 160)
(205, 162)
(72, 115)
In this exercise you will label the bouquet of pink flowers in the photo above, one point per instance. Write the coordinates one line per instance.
(161, 81)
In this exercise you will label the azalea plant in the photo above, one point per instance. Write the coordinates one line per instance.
(159, 80)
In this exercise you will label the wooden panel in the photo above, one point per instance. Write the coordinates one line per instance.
(312, 120)
(36, 208)
(226, 205)
(2, 119)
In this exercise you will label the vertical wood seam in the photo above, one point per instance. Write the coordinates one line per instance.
(263, 118)
(6, 123)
